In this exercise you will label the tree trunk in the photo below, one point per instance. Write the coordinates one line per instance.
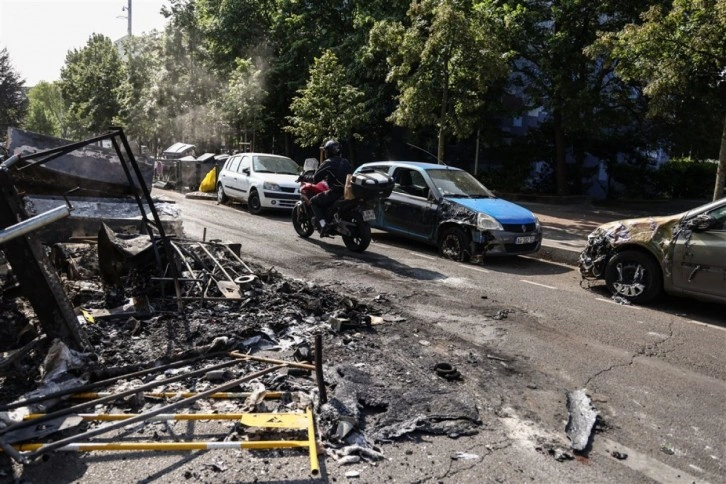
(560, 165)
(442, 120)
(721, 171)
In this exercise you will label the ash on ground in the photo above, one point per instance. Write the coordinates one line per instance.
(374, 396)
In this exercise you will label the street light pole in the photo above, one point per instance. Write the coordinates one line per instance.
(129, 9)
(127, 17)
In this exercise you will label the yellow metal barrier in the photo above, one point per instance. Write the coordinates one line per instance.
(296, 421)
(289, 421)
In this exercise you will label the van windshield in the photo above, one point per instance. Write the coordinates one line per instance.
(275, 164)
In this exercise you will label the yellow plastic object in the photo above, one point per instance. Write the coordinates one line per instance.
(88, 316)
(289, 421)
(209, 182)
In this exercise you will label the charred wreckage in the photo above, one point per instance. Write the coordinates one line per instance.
(129, 316)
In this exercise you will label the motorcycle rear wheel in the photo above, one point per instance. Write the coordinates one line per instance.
(302, 223)
(361, 238)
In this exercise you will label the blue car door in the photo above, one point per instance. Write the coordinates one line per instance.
(409, 210)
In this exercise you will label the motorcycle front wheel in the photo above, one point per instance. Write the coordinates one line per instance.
(302, 223)
(361, 235)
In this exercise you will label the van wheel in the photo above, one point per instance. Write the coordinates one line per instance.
(634, 276)
(221, 196)
(454, 244)
(253, 202)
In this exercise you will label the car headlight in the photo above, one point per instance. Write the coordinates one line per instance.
(271, 186)
(487, 222)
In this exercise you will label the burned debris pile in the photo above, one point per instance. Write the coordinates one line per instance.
(238, 318)
(147, 328)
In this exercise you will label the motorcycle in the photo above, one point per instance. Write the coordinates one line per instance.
(349, 216)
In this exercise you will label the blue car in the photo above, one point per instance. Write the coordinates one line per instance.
(449, 208)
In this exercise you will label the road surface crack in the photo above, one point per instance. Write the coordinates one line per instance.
(648, 350)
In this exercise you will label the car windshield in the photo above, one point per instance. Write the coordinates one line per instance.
(458, 183)
(275, 164)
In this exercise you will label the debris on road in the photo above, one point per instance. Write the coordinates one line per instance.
(447, 371)
(464, 456)
(581, 421)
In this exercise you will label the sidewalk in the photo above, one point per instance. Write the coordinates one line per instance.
(566, 227)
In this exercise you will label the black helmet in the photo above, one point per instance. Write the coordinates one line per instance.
(331, 148)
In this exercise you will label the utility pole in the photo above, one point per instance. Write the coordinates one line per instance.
(127, 17)
(129, 9)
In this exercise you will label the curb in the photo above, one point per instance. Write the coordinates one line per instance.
(201, 195)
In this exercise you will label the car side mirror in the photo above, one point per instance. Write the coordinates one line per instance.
(701, 223)
(246, 171)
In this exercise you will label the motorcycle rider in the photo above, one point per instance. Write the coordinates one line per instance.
(334, 171)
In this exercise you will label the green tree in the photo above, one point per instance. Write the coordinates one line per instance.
(47, 110)
(139, 104)
(243, 99)
(233, 29)
(589, 109)
(13, 102)
(188, 92)
(679, 55)
(443, 61)
(90, 82)
(327, 106)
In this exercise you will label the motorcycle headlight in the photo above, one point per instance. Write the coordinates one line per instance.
(271, 186)
(487, 222)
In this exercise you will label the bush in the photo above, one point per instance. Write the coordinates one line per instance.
(633, 180)
(688, 179)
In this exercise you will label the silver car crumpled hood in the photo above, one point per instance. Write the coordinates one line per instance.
(653, 233)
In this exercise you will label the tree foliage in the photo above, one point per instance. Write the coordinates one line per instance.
(589, 108)
(679, 55)
(243, 99)
(13, 102)
(443, 61)
(581, 76)
(140, 108)
(327, 107)
(47, 110)
(90, 83)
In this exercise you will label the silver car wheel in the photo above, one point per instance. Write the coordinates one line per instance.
(630, 281)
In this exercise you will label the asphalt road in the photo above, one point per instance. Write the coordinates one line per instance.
(522, 331)
(657, 374)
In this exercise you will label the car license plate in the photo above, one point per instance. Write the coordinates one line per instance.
(525, 240)
(369, 215)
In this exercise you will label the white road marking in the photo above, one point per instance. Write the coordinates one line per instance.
(478, 269)
(644, 464)
(385, 246)
(423, 256)
(616, 303)
(537, 284)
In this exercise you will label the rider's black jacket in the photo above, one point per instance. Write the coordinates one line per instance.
(334, 171)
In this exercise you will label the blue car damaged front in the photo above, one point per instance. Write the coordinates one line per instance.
(449, 208)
